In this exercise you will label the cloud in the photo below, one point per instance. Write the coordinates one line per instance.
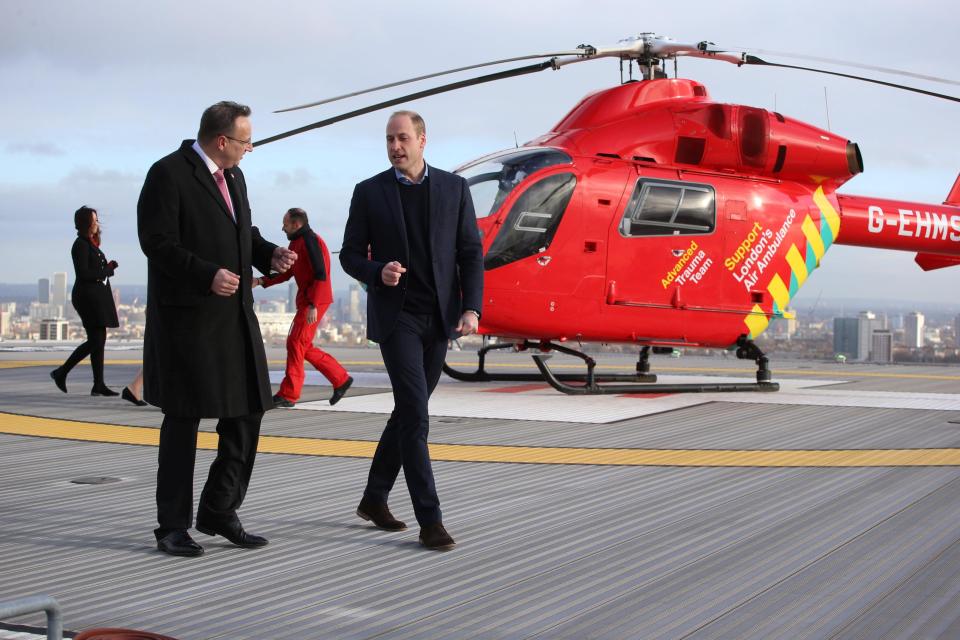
(35, 148)
(84, 176)
(292, 179)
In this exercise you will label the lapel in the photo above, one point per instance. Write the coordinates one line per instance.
(391, 196)
(233, 187)
(205, 178)
(434, 209)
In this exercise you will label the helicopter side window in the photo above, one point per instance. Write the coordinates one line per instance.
(659, 208)
(492, 179)
(532, 222)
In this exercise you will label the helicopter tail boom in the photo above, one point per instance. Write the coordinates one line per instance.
(932, 231)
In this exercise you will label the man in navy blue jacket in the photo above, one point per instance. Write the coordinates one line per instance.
(412, 238)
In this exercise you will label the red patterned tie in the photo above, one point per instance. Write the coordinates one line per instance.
(222, 185)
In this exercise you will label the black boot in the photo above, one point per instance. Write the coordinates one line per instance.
(59, 378)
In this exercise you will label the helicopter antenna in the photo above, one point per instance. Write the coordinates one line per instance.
(826, 107)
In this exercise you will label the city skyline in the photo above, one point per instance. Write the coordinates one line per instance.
(121, 119)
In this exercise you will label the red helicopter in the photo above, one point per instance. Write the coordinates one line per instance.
(653, 216)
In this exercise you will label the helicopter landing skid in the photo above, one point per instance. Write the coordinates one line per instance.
(746, 349)
(482, 375)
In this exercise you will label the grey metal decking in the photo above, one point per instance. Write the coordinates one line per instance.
(545, 550)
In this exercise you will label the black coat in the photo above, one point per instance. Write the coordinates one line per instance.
(376, 220)
(203, 354)
(92, 296)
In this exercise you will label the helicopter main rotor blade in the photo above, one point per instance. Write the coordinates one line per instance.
(510, 73)
(846, 63)
(758, 61)
(398, 83)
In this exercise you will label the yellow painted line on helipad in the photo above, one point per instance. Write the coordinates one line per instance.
(470, 366)
(14, 424)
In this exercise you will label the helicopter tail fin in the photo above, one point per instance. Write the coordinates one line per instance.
(931, 261)
(953, 198)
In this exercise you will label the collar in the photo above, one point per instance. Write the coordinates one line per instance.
(402, 179)
(211, 165)
(299, 233)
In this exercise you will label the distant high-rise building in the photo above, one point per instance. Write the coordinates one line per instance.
(116, 297)
(867, 324)
(913, 330)
(5, 322)
(845, 332)
(54, 329)
(956, 331)
(881, 346)
(291, 296)
(43, 290)
(354, 313)
(59, 292)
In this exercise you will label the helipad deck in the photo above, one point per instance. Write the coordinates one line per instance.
(829, 509)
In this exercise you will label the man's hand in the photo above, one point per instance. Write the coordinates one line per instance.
(225, 283)
(311, 315)
(391, 272)
(113, 264)
(254, 282)
(282, 259)
(469, 322)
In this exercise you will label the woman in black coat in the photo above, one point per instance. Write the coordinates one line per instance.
(93, 300)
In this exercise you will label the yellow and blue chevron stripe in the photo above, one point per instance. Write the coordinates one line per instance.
(800, 265)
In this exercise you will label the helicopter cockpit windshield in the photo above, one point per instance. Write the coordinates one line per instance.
(492, 178)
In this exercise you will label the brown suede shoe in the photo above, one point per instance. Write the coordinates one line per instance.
(434, 536)
(380, 515)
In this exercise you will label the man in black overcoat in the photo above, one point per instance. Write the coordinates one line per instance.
(203, 353)
(412, 238)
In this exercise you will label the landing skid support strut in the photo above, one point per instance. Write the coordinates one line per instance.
(598, 384)
(746, 349)
(482, 375)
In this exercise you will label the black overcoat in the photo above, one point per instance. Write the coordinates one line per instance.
(91, 295)
(376, 221)
(203, 354)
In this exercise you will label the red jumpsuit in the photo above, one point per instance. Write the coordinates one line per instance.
(311, 271)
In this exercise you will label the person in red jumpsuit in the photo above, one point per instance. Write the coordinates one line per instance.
(314, 295)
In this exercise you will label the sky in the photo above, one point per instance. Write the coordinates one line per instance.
(95, 91)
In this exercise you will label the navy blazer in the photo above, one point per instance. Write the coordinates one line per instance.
(376, 221)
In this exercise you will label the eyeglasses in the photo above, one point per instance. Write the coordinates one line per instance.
(245, 143)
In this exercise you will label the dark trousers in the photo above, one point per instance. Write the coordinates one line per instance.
(93, 347)
(229, 475)
(414, 355)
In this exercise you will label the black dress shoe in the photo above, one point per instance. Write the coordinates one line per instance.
(129, 397)
(59, 379)
(281, 402)
(179, 543)
(234, 533)
(103, 391)
(341, 391)
(380, 515)
(434, 536)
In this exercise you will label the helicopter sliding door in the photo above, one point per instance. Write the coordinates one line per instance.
(658, 259)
